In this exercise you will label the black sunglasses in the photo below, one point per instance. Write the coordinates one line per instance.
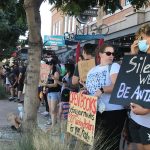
(109, 53)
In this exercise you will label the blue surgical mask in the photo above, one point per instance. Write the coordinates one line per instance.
(143, 46)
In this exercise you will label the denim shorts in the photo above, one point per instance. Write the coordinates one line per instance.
(54, 96)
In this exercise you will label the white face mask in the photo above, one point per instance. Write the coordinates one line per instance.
(143, 46)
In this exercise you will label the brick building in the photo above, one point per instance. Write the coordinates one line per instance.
(122, 25)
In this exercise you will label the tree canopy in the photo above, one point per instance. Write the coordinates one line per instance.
(74, 7)
(12, 25)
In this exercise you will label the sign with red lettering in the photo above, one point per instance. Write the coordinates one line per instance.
(82, 116)
(44, 72)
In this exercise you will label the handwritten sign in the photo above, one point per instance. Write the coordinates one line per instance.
(44, 72)
(133, 82)
(84, 67)
(82, 116)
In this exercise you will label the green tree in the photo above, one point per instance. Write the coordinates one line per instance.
(12, 25)
(74, 7)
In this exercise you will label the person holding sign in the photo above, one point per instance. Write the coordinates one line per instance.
(139, 118)
(100, 82)
(88, 54)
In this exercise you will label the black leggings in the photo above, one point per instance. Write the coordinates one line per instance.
(46, 102)
(108, 129)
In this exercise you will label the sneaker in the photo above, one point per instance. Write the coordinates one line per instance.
(17, 100)
(45, 113)
(11, 98)
(21, 101)
(48, 122)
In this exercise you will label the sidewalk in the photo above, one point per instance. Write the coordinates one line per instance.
(7, 135)
(6, 107)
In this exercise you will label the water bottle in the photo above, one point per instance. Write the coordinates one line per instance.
(20, 109)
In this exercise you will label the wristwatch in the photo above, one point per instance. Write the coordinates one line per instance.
(102, 90)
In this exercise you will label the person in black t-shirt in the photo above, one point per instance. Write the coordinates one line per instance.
(21, 78)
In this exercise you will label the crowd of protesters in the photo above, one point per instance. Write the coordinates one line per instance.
(13, 75)
(100, 83)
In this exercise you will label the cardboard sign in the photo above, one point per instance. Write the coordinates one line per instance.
(84, 67)
(133, 82)
(44, 72)
(82, 116)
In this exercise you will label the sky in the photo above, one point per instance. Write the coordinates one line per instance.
(45, 18)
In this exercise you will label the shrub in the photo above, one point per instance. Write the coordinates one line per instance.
(39, 140)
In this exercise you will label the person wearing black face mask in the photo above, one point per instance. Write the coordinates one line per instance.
(53, 95)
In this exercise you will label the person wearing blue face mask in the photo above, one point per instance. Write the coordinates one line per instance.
(139, 117)
(143, 46)
(142, 40)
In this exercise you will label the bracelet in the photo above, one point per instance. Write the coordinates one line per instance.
(102, 90)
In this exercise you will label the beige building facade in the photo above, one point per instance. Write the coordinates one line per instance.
(62, 23)
(124, 23)
(121, 25)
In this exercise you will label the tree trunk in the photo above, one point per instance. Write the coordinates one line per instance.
(31, 102)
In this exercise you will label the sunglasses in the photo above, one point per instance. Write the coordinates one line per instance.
(109, 53)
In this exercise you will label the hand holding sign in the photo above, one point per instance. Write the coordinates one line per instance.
(82, 116)
(139, 110)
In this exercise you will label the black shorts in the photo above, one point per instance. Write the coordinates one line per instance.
(20, 86)
(137, 133)
(15, 86)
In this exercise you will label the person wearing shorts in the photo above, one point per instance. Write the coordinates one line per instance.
(139, 118)
(53, 95)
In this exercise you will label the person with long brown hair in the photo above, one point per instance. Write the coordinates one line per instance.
(110, 117)
(53, 95)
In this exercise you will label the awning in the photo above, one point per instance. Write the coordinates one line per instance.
(68, 42)
(121, 33)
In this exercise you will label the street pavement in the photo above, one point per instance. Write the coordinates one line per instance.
(6, 107)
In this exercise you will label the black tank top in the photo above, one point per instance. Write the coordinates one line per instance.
(51, 81)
